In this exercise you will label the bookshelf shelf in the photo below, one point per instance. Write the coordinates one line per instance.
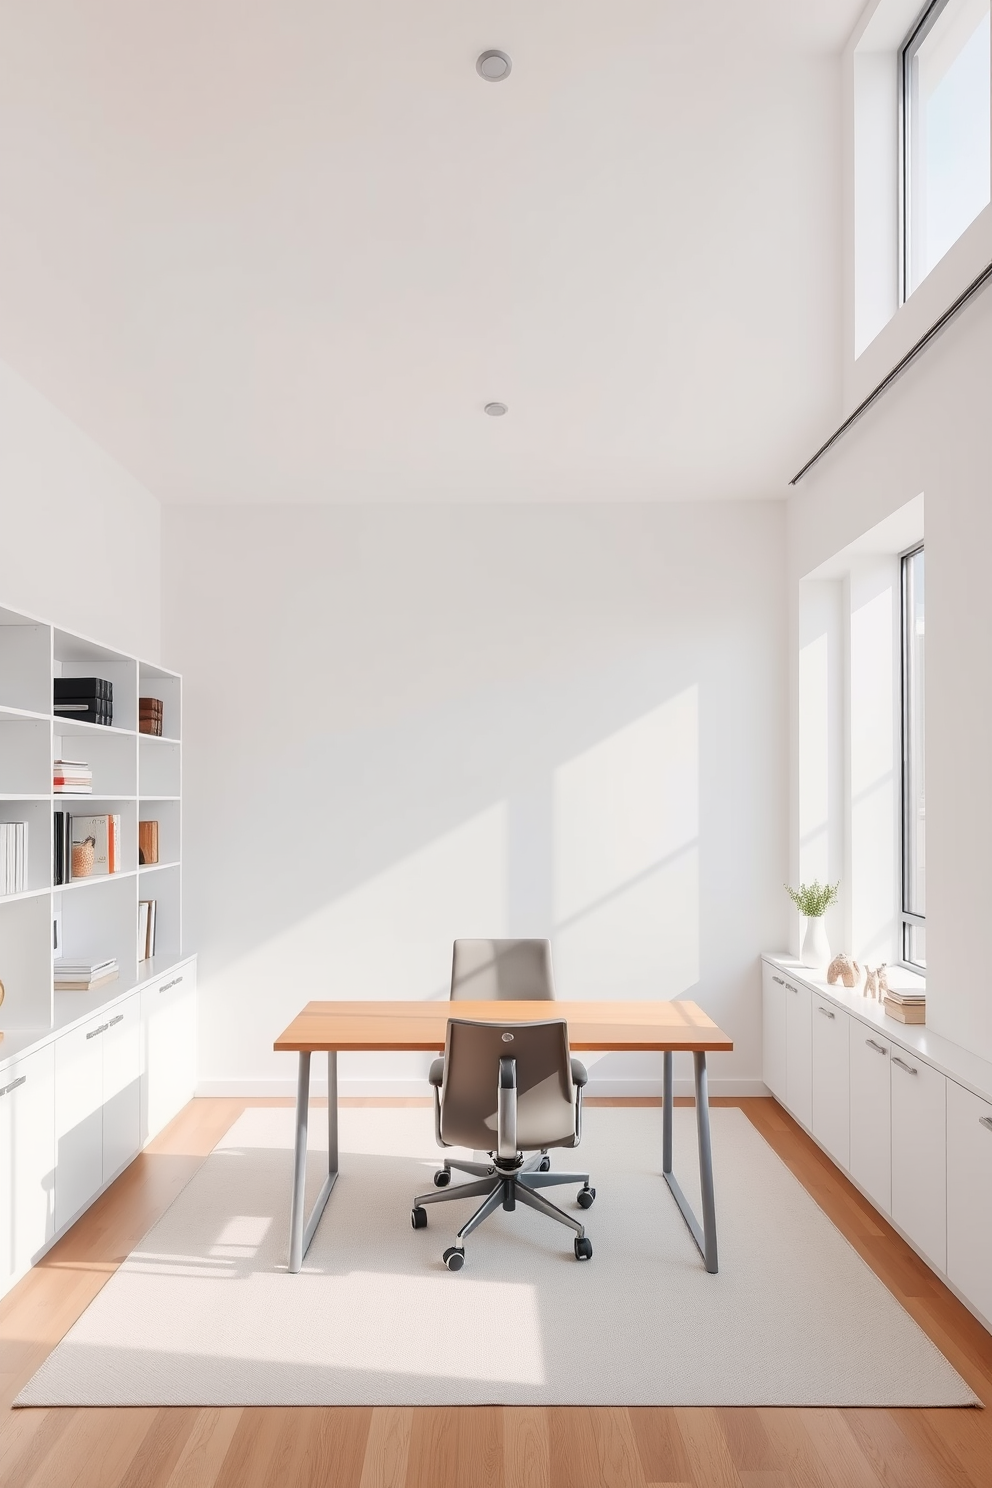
(92, 921)
(25, 894)
(95, 878)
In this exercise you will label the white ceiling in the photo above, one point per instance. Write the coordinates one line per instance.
(286, 251)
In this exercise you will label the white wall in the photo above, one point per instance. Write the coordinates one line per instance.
(79, 536)
(931, 433)
(404, 725)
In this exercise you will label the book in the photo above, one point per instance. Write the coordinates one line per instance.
(904, 995)
(96, 845)
(150, 705)
(146, 949)
(148, 842)
(83, 966)
(71, 778)
(13, 857)
(92, 986)
(86, 713)
(906, 1012)
(150, 726)
(65, 689)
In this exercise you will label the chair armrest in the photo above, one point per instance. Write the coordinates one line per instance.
(436, 1075)
(579, 1074)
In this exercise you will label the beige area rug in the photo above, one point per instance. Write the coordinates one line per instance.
(204, 1312)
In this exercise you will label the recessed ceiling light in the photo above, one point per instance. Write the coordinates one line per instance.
(496, 410)
(493, 66)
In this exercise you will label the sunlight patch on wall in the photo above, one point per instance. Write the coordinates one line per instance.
(626, 860)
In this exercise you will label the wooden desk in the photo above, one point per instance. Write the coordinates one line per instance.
(667, 1027)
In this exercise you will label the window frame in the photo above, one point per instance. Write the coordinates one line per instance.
(921, 28)
(908, 919)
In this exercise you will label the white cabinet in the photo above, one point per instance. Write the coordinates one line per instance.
(121, 1086)
(27, 1162)
(773, 1015)
(919, 1168)
(969, 1197)
(168, 1020)
(97, 1105)
(831, 1073)
(871, 1154)
(799, 1051)
(78, 1118)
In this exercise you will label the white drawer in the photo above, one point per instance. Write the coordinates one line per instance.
(919, 1153)
(969, 1197)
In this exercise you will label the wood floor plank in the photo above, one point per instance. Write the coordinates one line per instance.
(659, 1444)
(808, 1462)
(526, 1447)
(433, 1457)
(574, 1449)
(205, 1448)
(885, 1445)
(387, 1448)
(161, 1448)
(706, 1447)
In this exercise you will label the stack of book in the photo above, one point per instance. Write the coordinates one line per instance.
(150, 716)
(146, 928)
(908, 1007)
(84, 975)
(72, 778)
(13, 857)
(87, 699)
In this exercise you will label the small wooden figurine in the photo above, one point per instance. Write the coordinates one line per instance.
(871, 982)
(843, 969)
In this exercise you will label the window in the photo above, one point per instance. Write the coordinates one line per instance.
(945, 131)
(914, 948)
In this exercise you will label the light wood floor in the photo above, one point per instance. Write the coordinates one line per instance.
(487, 1447)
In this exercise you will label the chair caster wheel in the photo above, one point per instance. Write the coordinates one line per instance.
(585, 1197)
(454, 1258)
(418, 1217)
(583, 1250)
(544, 1166)
(442, 1178)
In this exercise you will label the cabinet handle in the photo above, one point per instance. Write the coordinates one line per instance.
(13, 1085)
(903, 1065)
(879, 1048)
(780, 980)
(167, 986)
(102, 1029)
(791, 987)
(118, 1019)
(985, 1121)
(826, 1012)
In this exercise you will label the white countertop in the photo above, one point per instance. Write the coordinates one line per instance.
(73, 1008)
(951, 1059)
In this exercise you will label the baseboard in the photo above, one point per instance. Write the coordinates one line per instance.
(610, 1088)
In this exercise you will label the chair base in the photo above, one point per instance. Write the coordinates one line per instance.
(501, 1186)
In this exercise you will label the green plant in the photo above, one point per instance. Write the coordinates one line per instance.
(812, 900)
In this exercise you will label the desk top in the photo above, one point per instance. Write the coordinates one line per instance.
(599, 1026)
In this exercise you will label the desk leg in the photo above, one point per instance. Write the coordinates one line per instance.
(705, 1238)
(300, 1232)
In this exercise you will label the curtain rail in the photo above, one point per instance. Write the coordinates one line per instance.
(900, 367)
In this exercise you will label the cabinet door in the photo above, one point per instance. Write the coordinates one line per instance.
(27, 1162)
(799, 1051)
(121, 1086)
(168, 1016)
(871, 1150)
(969, 1196)
(78, 1118)
(832, 1080)
(919, 1164)
(773, 1048)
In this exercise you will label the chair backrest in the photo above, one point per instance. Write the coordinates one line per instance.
(502, 971)
(545, 1093)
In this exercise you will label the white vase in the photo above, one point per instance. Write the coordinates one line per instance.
(816, 947)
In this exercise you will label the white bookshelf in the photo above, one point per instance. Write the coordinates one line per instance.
(138, 776)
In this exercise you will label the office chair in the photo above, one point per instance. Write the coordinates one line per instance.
(502, 971)
(507, 1089)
